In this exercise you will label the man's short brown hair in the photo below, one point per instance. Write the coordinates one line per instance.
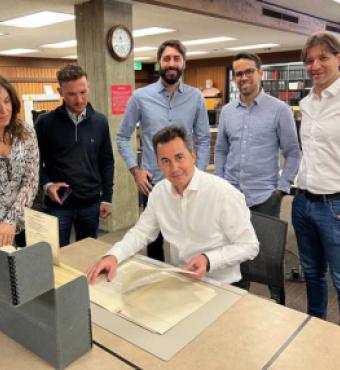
(176, 44)
(170, 133)
(250, 56)
(70, 72)
(321, 38)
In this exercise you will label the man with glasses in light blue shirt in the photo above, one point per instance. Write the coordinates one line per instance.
(252, 131)
(158, 105)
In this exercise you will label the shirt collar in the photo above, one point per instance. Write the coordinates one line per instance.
(76, 118)
(192, 186)
(331, 90)
(256, 101)
(259, 97)
(160, 87)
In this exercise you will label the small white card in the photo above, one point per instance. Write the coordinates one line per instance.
(40, 227)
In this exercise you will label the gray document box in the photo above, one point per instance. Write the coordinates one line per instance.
(53, 323)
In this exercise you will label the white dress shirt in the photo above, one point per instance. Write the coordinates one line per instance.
(319, 170)
(210, 217)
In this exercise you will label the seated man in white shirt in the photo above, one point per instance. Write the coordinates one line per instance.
(203, 217)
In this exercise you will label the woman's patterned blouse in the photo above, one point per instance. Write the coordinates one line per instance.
(19, 178)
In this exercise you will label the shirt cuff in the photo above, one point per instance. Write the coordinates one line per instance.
(131, 163)
(208, 262)
(284, 187)
(214, 258)
(117, 253)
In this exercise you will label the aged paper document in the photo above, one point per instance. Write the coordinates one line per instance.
(8, 249)
(63, 274)
(150, 297)
(40, 227)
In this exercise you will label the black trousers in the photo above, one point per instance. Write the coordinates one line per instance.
(154, 249)
(271, 207)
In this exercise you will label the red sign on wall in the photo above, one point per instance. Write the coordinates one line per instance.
(120, 95)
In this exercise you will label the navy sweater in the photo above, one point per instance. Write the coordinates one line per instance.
(80, 155)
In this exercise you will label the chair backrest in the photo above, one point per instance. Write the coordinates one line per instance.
(267, 267)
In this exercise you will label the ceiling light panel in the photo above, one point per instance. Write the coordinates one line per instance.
(142, 58)
(40, 19)
(18, 51)
(254, 46)
(151, 31)
(196, 53)
(61, 45)
(210, 40)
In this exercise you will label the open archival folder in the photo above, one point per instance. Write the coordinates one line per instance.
(152, 297)
(41, 227)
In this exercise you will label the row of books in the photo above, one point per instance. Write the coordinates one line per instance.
(282, 85)
(287, 74)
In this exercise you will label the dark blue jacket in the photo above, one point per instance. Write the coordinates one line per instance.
(80, 155)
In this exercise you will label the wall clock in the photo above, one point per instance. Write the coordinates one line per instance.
(120, 42)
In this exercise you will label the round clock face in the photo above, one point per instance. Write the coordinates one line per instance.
(120, 42)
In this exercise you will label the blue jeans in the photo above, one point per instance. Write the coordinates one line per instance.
(317, 229)
(85, 221)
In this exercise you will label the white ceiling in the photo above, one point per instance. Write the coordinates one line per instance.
(188, 26)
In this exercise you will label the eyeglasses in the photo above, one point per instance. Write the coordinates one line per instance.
(247, 72)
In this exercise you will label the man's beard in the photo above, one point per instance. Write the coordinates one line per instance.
(174, 78)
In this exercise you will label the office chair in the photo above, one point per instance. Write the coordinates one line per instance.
(268, 266)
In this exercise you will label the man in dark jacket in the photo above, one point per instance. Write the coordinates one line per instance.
(76, 159)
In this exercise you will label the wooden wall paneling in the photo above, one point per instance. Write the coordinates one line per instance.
(197, 75)
(46, 105)
(31, 80)
(33, 62)
(190, 76)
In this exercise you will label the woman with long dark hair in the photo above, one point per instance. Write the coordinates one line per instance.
(19, 167)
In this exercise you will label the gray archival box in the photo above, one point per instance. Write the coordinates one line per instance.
(54, 323)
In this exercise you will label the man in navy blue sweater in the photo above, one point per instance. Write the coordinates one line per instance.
(76, 159)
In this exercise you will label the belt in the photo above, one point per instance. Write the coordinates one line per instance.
(319, 197)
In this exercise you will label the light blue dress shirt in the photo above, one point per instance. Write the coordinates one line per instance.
(154, 109)
(248, 143)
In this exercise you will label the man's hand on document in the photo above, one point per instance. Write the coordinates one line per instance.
(199, 265)
(108, 264)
